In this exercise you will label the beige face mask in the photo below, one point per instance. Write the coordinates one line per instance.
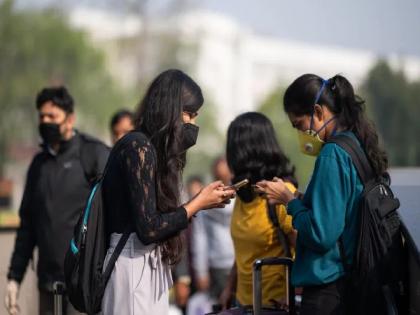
(309, 140)
(310, 143)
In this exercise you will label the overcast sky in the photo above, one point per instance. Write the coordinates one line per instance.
(383, 26)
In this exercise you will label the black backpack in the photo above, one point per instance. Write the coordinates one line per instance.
(377, 276)
(84, 261)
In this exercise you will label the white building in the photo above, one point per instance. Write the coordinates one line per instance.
(236, 67)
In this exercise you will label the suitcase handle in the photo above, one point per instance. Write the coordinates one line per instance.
(58, 289)
(257, 289)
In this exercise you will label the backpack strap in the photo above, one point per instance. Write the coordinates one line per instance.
(358, 156)
(271, 209)
(364, 170)
(115, 254)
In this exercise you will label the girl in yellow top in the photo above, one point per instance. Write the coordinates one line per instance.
(254, 153)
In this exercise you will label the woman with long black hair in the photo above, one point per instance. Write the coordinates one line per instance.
(320, 109)
(254, 153)
(141, 192)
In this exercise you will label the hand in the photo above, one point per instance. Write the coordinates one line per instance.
(226, 298)
(275, 191)
(12, 294)
(203, 283)
(214, 195)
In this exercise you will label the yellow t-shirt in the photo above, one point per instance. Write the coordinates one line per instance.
(254, 237)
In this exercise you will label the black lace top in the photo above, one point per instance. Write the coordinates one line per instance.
(129, 189)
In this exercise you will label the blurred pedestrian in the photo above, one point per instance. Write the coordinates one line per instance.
(254, 153)
(122, 122)
(194, 185)
(141, 195)
(57, 185)
(182, 272)
(212, 248)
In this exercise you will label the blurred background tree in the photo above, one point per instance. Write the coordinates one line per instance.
(38, 48)
(394, 104)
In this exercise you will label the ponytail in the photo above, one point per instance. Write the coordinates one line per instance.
(351, 115)
(339, 97)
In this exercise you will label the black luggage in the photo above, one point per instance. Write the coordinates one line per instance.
(258, 308)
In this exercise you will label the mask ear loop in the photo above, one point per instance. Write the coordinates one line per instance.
(325, 125)
(318, 96)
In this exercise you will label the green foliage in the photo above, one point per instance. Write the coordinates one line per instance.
(272, 107)
(394, 102)
(38, 48)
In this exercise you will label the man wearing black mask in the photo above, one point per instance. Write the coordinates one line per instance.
(57, 186)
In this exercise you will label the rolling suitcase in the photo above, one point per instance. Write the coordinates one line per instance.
(257, 308)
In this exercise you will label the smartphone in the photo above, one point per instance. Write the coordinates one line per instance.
(240, 184)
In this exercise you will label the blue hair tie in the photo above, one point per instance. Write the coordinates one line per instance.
(324, 84)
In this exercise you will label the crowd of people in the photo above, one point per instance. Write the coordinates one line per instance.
(200, 239)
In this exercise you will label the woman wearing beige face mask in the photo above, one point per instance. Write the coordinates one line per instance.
(320, 109)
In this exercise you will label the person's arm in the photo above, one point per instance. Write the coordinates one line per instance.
(26, 235)
(182, 278)
(320, 217)
(228, 293)
(199, 251)
(139, 169)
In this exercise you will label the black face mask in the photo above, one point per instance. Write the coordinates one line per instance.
(50, 133)
(190, 135)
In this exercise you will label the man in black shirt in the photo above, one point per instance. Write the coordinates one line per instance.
(57, 186)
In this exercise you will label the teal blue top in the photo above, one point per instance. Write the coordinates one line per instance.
(327, 211)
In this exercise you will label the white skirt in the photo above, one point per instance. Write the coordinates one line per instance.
(140, 281)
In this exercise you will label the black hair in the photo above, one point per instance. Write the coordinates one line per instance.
(254, 153)
(159, 116)
(58, 95)
(348, 108)
(119, 115)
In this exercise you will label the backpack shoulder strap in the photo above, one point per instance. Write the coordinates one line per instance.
(363, 168)
(358, 156)
(115, 254)
(271, 209)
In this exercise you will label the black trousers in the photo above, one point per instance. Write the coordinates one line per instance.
(326, 299)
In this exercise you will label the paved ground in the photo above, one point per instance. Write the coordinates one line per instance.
(29, 293)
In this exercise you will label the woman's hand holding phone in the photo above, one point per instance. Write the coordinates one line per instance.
(275, 191)
(214, 195)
